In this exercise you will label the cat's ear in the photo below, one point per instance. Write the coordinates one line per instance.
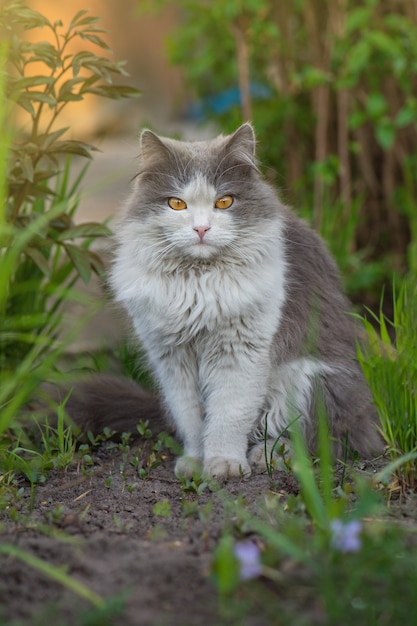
(242, 144)
(151, 146)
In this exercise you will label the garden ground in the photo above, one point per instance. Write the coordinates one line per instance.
(110, 537)
(144, 545)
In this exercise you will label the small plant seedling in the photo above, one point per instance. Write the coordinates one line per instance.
(162, 508)
(143, 429)
(84, 451)
(196, 484)
(193, 509)
(124, 444)
(96, 440)
(56, 515)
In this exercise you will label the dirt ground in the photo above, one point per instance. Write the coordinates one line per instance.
(101, 525)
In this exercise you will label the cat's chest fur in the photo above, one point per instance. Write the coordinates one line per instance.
(176, 305)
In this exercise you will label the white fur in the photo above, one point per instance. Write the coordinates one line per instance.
(287, 399)
(206, 314)
(289, 392)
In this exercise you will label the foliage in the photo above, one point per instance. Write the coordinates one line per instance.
(42, 251)
(63, 78)
(332, 563)
(330, 87)
(390, 367)
(371, 585)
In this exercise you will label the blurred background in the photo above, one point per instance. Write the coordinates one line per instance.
(330, 86)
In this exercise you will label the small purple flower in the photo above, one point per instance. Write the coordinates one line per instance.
(249, 557)
(345, 535)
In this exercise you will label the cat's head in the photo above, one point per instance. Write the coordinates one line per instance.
(200, 199)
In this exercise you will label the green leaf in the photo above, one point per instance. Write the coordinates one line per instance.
(25, 102)
(46, 139)
(385, 133)
(304, 472)
(385, 43)
(77, 17)
(405, 116)
(226, 566)
(53, 572)
(27, 167)
(31, 81)
(358, 19)
(356, 119)
(70, 97)
(88, 229)
(162, 508)
(358, 58)
(43, 52)
(96, 262)
(376, 105)
(81, 59)
(39, 96)
(38, 258)
(95, 39)
(66, 90)
(71, 146)
(114, 92)
(80, 20)
(80, 260)
(25, 17)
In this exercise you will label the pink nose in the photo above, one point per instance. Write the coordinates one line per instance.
(201, 230)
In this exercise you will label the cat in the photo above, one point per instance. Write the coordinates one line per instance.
(238, 306)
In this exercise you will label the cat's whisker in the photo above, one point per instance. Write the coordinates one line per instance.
(163, 251)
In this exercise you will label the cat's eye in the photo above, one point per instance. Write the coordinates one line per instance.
(224, 203)
(177, 204)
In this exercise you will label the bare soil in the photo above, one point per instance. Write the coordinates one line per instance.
(100, 524)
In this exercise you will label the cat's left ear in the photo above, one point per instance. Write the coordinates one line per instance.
(242, 143)
(152, 146)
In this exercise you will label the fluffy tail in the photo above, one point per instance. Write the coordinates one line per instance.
(118, 403)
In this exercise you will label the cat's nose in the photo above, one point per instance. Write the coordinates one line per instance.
(201, 231)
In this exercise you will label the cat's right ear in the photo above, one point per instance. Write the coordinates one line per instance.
(151, 146)
(244, 137)
(241, 145)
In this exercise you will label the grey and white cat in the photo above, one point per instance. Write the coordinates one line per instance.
(238, 306)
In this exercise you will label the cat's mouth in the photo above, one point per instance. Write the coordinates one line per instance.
(202, 249)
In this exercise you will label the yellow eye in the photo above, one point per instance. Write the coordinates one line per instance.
(177, 204)
(224, 203)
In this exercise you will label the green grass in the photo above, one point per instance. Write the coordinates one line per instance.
(390, 367)
(329, 554)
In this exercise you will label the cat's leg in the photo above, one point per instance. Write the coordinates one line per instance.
(295, 392)
(177, 375)
(289, 399)
(234, 380)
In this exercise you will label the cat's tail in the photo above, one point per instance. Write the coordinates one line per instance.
(113, 402)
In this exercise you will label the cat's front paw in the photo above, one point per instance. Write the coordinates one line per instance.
(187, 466)
(223, 468)
(257, 456)
(261, 458)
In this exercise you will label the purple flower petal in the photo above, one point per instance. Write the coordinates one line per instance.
(345, 535)
(249, 557)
